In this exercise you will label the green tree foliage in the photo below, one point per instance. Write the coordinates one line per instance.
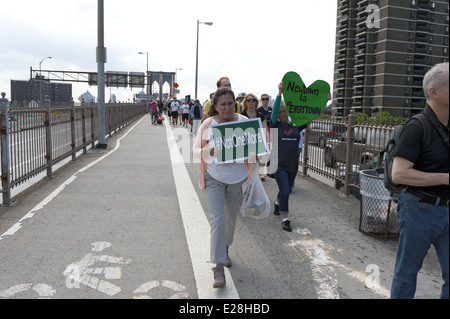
(385, 118)
(381, 119)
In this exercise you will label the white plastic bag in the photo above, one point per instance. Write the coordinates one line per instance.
(255, 202)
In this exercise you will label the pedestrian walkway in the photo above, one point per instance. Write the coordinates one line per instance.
(129, 222)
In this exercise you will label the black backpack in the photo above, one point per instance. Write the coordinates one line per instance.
(391, 149)
(392, 144)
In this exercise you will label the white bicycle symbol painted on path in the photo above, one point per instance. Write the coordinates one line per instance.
(83, 272)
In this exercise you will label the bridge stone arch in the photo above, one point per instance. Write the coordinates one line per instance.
(161, 78)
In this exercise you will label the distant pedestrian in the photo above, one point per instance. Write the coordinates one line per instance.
(153, 107)
(196, 115)
(174, 107)
(423, 166)
(224, 81)
(265, 109)
(249, 109)
(223, 183)
(160, 107)
(185, 113)
(240, 97)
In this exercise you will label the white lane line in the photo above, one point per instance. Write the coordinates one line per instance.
(324, 268)
(197, 228)
(44, 291)
(13, 229)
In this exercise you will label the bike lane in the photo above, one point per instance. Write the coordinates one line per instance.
(110, 230)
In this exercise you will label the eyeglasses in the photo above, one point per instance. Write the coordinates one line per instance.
(265, 99)
(250, 100)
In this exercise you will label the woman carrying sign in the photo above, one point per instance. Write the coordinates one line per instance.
(288, 141)
(223, 183)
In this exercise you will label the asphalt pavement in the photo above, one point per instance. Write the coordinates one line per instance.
(129, 222)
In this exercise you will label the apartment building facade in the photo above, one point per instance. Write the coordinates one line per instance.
(38, 88)
(383, 50)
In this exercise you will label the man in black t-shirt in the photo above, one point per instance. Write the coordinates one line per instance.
(422, 164)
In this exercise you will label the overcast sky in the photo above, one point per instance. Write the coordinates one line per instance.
(254, 42)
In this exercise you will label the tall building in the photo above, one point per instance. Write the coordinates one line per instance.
(38, 88)
(87, 97)
(383, 50)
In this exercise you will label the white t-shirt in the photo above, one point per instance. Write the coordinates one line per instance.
(184, 108)
(174, 106)
(228, 173)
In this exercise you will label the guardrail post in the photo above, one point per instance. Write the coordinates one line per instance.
(72, 129)
(116, 117)
(119, 117)
(110, 120)
(304, 153)
(6, 177)
(92, 125)
(348, 154)
(48, 137)
(83, 125)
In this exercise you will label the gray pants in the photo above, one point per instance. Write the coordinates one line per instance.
(223, 204)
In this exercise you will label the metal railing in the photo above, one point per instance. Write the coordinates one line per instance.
(34, 139)
(338, 149)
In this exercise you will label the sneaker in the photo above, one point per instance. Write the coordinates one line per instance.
(219, 276)
(286, 225)
(276, 211)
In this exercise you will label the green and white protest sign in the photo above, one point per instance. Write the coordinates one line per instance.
(234, 141)
(303, 103)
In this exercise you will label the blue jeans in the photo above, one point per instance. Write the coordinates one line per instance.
(154, 117)
(284, 179)
(421, 225)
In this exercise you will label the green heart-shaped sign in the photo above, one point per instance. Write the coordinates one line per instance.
(303, 103)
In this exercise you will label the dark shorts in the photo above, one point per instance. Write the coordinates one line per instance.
(175, 114)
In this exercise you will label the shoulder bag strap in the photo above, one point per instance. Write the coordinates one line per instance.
(439, 128)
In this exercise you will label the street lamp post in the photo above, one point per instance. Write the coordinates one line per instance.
(101, 60)
(147, 80)
(41, 89)
(196, 61)
(40, 64)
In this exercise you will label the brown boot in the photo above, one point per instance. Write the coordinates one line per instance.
(219, 276)
(228, 262)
